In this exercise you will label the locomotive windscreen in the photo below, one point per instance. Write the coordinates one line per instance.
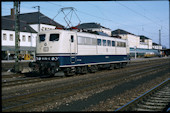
(54, 37)
(42, 37)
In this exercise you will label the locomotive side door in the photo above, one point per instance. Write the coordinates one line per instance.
(73, 47)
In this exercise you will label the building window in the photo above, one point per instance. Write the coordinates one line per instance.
(29, 38)
(4, 36)
(23, 38)
(11, 37)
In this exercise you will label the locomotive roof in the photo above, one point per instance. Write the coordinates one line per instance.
(74, 31)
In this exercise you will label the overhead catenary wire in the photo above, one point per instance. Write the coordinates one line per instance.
(140, 14)
(135, 27)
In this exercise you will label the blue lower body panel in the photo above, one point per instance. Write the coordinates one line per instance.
(91, 59)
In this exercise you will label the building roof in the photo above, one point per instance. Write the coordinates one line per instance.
(9, 24)
(155, 44)
(90, 25)
(120, 32)
(32, 18)
(143, 37)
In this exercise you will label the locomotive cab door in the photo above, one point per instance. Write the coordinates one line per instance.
(73, 47)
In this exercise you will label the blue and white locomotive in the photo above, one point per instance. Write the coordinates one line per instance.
(74, 52)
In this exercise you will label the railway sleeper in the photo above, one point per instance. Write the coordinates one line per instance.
(158, 101)
(155, 104)
(151, 107)
(159, 98)
(143, 109)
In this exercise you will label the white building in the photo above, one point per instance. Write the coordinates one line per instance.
(145, 42)
(139, 45)
(28, 33)
(27, 37)
(133, 40)
(156, 46)
(32, 19)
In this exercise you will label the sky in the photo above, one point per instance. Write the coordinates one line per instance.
(137, 17)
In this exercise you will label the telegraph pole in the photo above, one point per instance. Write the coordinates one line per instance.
(159, 37)
(38, 17)
(160, 41)
(17, 28)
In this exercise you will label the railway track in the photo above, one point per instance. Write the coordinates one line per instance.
(25, 80)
(156, 99)
(61, 90)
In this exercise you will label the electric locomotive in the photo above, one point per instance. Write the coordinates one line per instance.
(74, 52)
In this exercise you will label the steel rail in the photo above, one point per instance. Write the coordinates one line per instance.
(130, 105)
(74, 90)
(35, 79)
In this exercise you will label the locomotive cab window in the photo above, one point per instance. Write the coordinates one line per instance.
(54, 37)
(42, 37)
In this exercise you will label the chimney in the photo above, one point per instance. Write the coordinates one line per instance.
(12, 13)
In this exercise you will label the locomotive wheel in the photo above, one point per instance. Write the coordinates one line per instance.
(92, 69)
(78, 70)
(117, 66)
(84, 69)
(111, 66)
(51, 71)
(69, 71)
(123, 65)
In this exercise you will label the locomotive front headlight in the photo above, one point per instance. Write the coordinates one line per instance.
(38, 58)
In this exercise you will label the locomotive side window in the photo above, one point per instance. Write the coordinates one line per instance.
(108, 43)
(113, 43)
(104, 42)
(54, 37)
(42, 37)
(88, 41)
(81, 40)
(99, 42)
(94, 41)
(121, 44)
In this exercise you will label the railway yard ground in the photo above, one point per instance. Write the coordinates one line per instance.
(105, 90)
